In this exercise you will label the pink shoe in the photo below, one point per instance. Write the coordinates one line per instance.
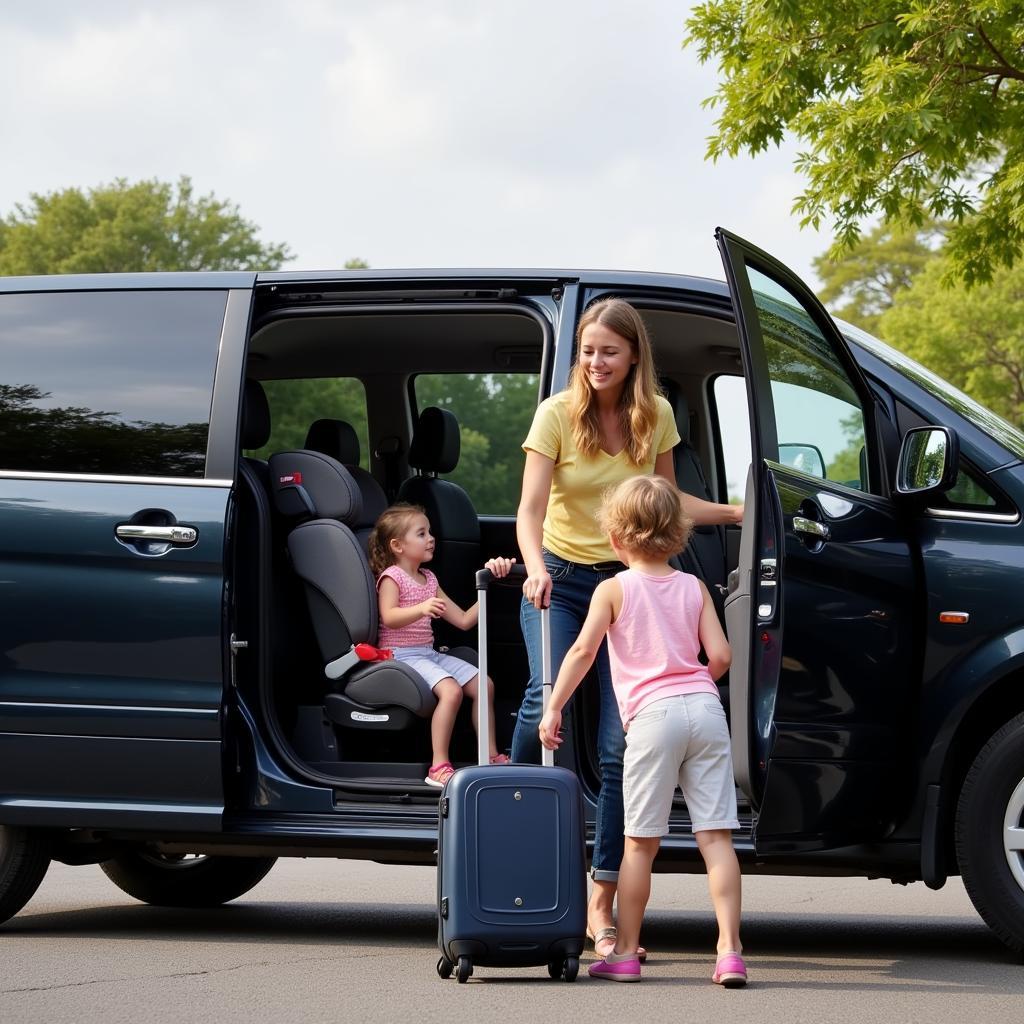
(730, 970)
(439, 774)
(621, 970)
(501, 759)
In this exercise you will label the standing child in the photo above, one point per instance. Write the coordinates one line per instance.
(656, 620)
(408, 597)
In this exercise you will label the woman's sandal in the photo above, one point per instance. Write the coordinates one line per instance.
(501, 759)
(610, 934)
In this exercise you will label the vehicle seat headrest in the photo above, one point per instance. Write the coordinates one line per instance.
(435, 445)
(335, 438)
(680, 407)
(255, 416)
(311, 485)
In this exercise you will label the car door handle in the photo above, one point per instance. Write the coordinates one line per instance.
(811, 527)
(166, 534)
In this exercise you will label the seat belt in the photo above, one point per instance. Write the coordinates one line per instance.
(388, 451)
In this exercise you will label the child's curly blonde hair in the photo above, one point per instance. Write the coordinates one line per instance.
(645, 514)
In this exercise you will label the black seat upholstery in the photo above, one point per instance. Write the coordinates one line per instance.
(320, 495)
(705, 554)
(256, 427)
(339, 440)
(453, 519)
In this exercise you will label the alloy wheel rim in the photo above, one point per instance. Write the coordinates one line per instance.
(1013, 834)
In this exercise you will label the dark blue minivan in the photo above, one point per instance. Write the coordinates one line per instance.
(181, 700)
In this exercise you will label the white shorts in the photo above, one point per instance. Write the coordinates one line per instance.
(435, 666)
(680, 740)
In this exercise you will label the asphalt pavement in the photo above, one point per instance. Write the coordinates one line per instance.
(347, 941)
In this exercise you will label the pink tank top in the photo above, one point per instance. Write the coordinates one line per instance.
(419, 633)
(653, 645)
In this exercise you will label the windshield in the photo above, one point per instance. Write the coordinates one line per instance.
(993, 424)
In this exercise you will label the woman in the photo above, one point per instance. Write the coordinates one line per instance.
(609, 424)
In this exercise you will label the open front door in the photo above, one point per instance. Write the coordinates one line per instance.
(821, 613)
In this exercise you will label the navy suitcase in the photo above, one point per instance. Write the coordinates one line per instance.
(511, 857)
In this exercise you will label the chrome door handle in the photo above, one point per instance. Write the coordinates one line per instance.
(812, 527)
(167, 534)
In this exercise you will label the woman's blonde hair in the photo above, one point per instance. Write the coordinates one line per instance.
(394, 522)
(637, 409)
(645, 514)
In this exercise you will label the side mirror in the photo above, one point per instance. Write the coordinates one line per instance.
(806, 458)
(929, 461)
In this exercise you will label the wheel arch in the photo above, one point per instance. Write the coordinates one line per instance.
(983, 693)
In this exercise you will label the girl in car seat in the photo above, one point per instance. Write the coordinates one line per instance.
(408, 598)
(656, 620)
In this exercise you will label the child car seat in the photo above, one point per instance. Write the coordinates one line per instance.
(318, 494)
(339, 440)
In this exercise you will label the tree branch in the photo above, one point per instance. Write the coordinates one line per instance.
(999, 57)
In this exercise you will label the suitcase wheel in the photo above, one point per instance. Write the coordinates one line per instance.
(465, 970)
(445, 967)
(566, 969)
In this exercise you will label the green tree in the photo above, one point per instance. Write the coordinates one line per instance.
(863, 284)
(974, 338)
(910, 109)
(141, 226)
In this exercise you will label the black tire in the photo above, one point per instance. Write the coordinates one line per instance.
(571, 969)
(465, 969)
(24, 858)
(445, 968)
(554, 969)
(991, 803)
(172, 880)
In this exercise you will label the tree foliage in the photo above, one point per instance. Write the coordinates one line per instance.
(911, 110)
(862, 285)
(141, 226)
(974, 338)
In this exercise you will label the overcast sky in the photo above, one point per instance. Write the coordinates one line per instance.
(563, 133)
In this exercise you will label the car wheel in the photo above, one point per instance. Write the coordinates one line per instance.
(990, 833)
(24, 858)
(183, 880)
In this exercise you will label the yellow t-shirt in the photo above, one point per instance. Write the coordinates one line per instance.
(579, 481)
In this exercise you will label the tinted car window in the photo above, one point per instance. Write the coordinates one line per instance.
(114, 383)
(818, 416)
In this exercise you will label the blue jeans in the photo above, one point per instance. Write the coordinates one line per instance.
(572, 587)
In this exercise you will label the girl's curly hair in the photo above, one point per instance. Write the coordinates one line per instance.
(645, 514)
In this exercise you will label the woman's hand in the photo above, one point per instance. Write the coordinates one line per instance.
(550, 729)
(499, 566)
(537, 588)
(433, 606)
(737, 514)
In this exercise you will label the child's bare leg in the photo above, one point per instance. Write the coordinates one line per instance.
(724, 883)
(634, 890)
(442, 724)
(473, 692)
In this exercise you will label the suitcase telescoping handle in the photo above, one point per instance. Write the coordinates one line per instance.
(484, 578)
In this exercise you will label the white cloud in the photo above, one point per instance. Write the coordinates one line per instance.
(540, 134)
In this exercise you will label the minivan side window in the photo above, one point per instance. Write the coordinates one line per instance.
(494, 411)
(106, 382)
(295, 405)
(818, 416)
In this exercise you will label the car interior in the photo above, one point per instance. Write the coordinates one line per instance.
(317, 467)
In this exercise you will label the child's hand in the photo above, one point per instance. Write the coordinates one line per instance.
(500, 566)
(550, 729)
(434, 607)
